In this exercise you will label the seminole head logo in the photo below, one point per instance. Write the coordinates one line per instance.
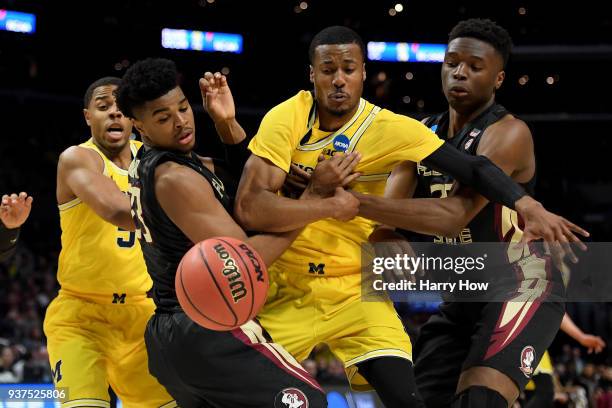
(527, 359)
(291, 398)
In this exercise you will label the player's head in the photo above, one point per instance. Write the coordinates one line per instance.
(337, 69)
(149, 94)
(110, 129)
(473, 69)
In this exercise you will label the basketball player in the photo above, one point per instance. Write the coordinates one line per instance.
(14, 211)
(178, 200)
(477, 354)
(95, 326)
(542, 381)
(315, 290)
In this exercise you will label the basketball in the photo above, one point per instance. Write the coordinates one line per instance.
(221, 283)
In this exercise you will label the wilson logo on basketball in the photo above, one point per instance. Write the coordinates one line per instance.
(231, 273)
(254, 261)
(291, 398)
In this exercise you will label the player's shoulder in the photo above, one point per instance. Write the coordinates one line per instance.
(301, 101)
(80, 157)
(510, 128)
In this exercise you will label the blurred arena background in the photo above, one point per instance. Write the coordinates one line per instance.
(558, 81)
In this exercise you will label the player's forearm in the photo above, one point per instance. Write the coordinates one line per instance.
(272, 245)
(8, 241)
(266, 211)
(230, 131)
(478, 172)
(431, 216)
(570, 328)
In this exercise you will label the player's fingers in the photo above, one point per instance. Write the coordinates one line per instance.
(575, 228)
(5, 199)
(350, 163)
(296, 170)
(13, 197)
(28, 201)
(321, 158)
(350, 178)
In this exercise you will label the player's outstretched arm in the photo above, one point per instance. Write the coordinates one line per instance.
(592, 343)
(491, 181)
(260, 208)
(219, 104)
(189, 201)
(80, 175)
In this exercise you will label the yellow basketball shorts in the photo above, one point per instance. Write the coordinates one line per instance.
(92, 346)
(303, 311)
(545, 367)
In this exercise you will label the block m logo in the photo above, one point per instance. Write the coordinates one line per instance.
(119, 298)
(318, 269)
(57, 373)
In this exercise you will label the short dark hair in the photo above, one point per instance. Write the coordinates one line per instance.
(335, 35)
(144, 81)
(487, 31)
(100, 82)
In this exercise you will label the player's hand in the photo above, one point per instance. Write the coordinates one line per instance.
(217, 97)
(345, 205)
(15, 209)
(388, 244)
(593, 343)
(334, 172)
(556, 231)
(296, 181)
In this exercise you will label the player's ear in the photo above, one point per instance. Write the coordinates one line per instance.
(364, 72)
(138, 125)
(501, 75)
(87, 116)
(311, 75)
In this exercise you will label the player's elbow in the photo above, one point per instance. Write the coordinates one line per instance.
(244, 211)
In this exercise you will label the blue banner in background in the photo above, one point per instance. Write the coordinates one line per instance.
(17, 21)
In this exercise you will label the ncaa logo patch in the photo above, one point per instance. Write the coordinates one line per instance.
(290, 398)
(527, 358)
(341, 143)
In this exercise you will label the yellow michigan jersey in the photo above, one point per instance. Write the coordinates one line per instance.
(384, 140)
(98, 260)
(95, 326)
(315, 291)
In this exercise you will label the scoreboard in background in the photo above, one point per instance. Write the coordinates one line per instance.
(201, 41)
(405, 52)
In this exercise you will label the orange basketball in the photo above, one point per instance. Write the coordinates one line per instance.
(221, 283)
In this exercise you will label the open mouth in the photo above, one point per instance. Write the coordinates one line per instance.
(185, 138)
(458, 91)
(116, 131)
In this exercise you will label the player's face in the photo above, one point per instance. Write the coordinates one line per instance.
(338, 72)
(167, 122)
(109, 128)
(471, 73)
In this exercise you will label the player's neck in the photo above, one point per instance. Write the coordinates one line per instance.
(328, 122)
(457, 119)
(122, 158)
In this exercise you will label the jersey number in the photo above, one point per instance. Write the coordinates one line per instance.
(141, 229)
(126, 243)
